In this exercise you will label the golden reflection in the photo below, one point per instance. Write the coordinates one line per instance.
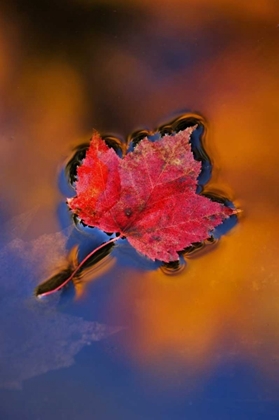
(225, 303)
(47, 114)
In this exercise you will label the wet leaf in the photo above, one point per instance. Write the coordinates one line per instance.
(149, 196)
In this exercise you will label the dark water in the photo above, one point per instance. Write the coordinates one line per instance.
(132, 341)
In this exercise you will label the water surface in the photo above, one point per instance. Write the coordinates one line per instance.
(203, 343)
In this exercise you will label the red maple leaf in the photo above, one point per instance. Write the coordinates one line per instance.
(149, 196)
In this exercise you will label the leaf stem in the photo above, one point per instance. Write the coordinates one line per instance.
(72, 275)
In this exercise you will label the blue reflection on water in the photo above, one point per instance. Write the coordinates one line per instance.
(102, 388)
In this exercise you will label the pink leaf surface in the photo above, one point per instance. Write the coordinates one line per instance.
(149, 196)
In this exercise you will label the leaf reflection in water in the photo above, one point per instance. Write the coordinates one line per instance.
(35, 336)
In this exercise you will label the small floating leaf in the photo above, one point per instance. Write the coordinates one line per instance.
(54, 283)
(74, 270)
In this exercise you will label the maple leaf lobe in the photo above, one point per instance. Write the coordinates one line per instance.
(97, 183)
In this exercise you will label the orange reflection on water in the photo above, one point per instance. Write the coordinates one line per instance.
(184, 316)
(225, 304)
(39, 130)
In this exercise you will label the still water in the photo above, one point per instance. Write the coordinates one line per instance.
(131, 342)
